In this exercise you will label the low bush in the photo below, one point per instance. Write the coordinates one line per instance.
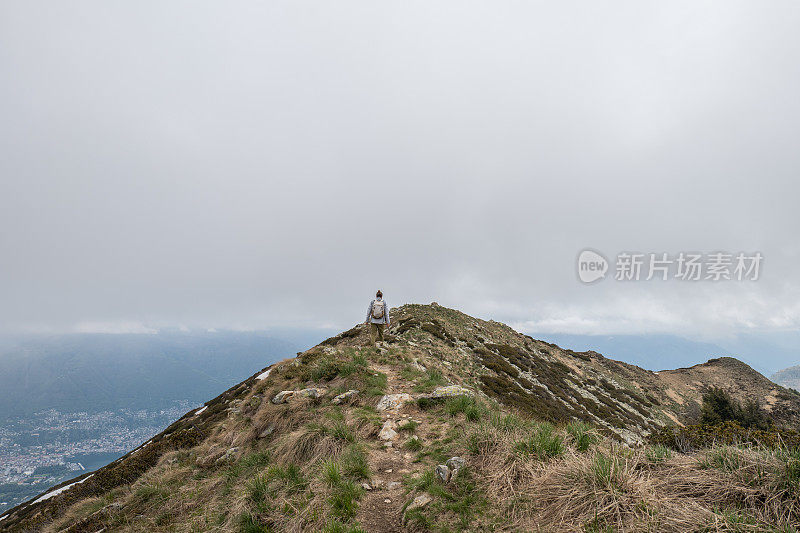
(719, 407)
(698, 436)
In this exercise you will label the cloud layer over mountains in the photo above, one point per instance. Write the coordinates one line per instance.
(263, 164)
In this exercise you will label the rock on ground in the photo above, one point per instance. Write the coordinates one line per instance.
(390, 402)
(388, 431)
(443, 472)
(449, 391)
(344, 396)
(282, 396)
(311, 392)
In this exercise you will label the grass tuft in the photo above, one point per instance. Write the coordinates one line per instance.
(582, 434)
(469, 406)
(658, 454)
(542, 443)
(414, 444)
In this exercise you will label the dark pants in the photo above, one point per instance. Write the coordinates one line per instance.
(376, 332)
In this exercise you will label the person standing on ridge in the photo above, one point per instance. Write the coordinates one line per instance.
(377, 318)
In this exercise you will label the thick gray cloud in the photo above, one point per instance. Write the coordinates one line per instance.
(254, 164)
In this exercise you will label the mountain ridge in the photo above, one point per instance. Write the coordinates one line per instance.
(429, 349)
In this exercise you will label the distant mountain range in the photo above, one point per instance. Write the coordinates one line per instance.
(788, 377)
(97, 372)
(766, 353)
(653, 352)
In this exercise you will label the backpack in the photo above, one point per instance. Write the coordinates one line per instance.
(378, 309)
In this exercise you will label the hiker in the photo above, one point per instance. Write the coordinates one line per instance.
(377, 317)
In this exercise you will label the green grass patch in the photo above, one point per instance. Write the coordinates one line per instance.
(331, 473)
(250, 524)
(257, 489)
(790, 475)
(658, 454)
(288, 478)
(341, 476)
(482, 441)
(508, 422)
(354, 463)
(431, 379)
(413, 444)
(471, 408)
(724, 458)
(543, 443)
(454, 506)
(338, 430)
(151, 494)
(408, 427)
(367, 415)
(409, 373)
(583, 435)
(344, 499)
(374, 384)
(337, 526)
(605, 470)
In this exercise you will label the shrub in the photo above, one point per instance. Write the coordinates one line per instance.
(698, 436)
(719, 407)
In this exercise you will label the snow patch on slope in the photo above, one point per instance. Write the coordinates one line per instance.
(60, 490)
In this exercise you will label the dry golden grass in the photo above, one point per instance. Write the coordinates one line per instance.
(613, 488)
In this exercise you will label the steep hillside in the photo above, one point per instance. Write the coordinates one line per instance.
(788, 377)
(737, 378)
(454, 424)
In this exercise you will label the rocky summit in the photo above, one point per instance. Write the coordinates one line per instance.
(452, 424)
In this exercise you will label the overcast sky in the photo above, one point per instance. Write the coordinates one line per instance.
(261, 164)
